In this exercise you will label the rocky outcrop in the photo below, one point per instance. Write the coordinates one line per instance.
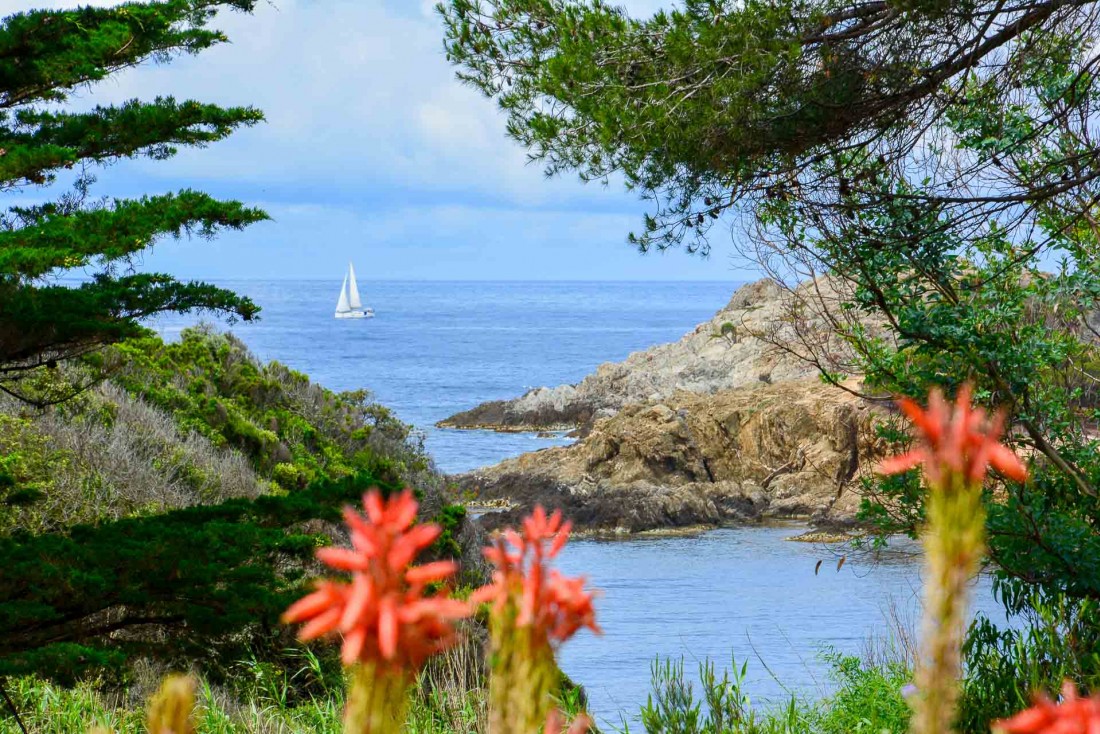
(734, 349)
(786, 450)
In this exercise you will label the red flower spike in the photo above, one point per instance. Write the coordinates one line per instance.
(955, 439)
(1074, 715)
(385, 614)
(555, 605)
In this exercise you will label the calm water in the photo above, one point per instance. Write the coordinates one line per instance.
(437, 348)
(745, 592)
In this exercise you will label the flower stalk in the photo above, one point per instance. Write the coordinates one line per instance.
(958, 445)
(533, 610)
(523, 679)
(378, 699)
(170, 710)
(391, 616)
(954, 542)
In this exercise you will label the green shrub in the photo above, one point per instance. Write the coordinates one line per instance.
(211, 384)
(451, 519)
(724, 709)
(1059, 640)
(868, 698)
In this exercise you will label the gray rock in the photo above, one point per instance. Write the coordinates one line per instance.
(736, 348)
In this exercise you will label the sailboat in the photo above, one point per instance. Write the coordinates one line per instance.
(349, 306)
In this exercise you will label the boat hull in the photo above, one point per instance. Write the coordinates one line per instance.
(368, 314)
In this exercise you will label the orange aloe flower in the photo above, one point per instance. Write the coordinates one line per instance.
(955, 439)
(386, 614)
(1074, 715)
(548, 602)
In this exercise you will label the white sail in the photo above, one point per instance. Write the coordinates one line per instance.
(342, 305)
(353, 291)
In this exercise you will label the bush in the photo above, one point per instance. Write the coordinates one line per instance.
(725, 709)
(212, 385)
(868, 698)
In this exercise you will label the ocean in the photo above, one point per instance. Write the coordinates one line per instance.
(438, 348)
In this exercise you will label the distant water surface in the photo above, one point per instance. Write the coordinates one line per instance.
(438, 348)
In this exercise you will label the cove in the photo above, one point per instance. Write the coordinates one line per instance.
(745, 591)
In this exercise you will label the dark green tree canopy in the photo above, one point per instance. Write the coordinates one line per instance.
(44, 56)
(726, 102)
(193, 583)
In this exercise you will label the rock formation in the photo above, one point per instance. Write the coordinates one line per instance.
(772, 451)
(727, 424)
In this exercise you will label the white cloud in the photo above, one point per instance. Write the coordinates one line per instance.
(355, 93)
(370, 140)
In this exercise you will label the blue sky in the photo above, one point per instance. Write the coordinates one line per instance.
(372, 151)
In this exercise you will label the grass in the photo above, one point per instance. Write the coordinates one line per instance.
(448, 699)
(48, 708)
(264, 700)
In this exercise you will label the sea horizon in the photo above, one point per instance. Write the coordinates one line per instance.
(436, 348)
(362, 279)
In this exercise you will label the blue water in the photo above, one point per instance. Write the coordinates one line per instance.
(437, 348)
(743, 592)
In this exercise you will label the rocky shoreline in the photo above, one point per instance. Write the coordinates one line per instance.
(788, 451)
(719, 427)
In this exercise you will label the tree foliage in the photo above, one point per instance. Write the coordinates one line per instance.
(44, 56)
(196, 583)
(722, 103)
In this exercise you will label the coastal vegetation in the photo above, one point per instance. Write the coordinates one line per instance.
(159, 503)
(192, 462)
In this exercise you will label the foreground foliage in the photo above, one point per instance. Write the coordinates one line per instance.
(260, 699)
(864, 698)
